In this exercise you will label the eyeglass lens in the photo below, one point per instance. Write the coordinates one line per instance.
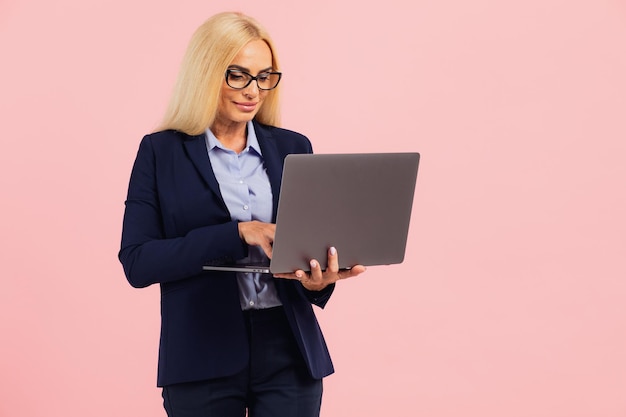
(240, 79)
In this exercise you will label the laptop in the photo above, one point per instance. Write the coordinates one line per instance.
(359, 203)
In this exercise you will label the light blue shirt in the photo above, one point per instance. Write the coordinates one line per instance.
(247, 192)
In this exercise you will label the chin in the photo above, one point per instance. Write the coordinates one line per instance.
(246, 117)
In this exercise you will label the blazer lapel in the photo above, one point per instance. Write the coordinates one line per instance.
(195, 146)
(273, 162)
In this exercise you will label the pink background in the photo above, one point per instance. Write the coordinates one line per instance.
(511, 301)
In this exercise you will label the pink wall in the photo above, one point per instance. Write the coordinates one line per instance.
(511, 299)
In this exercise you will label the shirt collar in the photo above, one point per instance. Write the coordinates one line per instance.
(252, 141)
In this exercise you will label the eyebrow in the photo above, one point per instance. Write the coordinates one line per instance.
(244, 69)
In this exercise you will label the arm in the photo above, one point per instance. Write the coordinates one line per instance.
(147, 254)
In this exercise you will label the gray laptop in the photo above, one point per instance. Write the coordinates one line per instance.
(359, 203)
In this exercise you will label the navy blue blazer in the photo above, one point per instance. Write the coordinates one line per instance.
(176, 221)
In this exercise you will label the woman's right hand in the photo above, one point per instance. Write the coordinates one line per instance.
(257, 233)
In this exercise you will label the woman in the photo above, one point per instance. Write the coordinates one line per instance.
(204, 189)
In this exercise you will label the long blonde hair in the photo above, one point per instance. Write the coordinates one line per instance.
(194, 102)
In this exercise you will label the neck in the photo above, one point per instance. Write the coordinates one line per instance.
(232, 135)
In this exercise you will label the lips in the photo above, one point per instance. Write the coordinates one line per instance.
(246, 106)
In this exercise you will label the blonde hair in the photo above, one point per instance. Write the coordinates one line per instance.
(195, 99)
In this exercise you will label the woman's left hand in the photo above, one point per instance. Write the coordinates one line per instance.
(317, 279)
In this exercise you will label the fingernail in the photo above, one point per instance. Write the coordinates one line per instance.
(333, 251)
(313, 264)
(299, 274)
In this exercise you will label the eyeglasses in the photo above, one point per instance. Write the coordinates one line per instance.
(239, 80)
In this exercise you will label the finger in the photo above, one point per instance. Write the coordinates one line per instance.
(270, 231)
(266, 238)
(353, 272)
(266, 244)
(333, 260)
(316, 270)
(267, 248)
(297, 275)
(350, 272)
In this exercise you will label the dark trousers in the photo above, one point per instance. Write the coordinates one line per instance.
(276, 382)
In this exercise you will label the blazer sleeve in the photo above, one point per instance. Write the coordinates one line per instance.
(319, 298)
(149, 256)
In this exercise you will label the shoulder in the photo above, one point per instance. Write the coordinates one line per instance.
(279, 132)
(167, 143)
(283, 138)
(166, 138)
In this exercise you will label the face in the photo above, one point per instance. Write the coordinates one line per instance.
(240, 106)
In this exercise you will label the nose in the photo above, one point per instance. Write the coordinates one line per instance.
(252, 90)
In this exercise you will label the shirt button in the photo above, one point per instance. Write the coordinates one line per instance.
(251, 303)
(245, 207)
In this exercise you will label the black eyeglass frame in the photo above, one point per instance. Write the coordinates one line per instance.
(252, 78)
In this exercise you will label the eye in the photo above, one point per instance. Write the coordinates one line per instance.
(264, 76)
(235, 75)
